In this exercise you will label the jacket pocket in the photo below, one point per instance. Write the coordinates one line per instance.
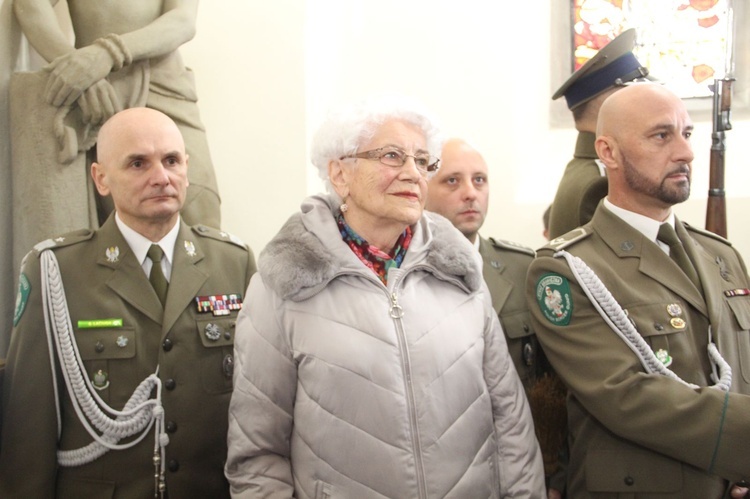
(217, 365)
(631, 470)
(75, 488)
(740, 307)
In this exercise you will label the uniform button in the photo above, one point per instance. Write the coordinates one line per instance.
(525, 328)
(167, 345)
(658, 326)
(170, 384)
(629, 480)
(173, 465)
(171, 427)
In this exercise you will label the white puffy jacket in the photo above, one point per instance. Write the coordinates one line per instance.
(346, 388)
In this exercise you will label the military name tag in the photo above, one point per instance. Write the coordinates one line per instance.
(99, 323)
(218, 304)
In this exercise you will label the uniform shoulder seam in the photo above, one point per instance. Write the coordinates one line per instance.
(512, 246)
(218, 235)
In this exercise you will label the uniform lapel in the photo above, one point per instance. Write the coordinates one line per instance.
(627, 242)
(492, 271)
(128, 279)
(709, 270)
(187, 277)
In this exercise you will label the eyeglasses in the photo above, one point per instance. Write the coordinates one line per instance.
(396, 158)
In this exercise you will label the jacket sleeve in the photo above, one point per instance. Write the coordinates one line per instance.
(519, 458)
(650, 410)
(262, 404)
(28, 459)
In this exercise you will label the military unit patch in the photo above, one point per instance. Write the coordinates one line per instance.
(554, 299)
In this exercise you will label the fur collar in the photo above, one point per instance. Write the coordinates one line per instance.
(308, 252)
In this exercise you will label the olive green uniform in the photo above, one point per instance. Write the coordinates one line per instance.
(581, 188)
(634, 434)
(504, 271)
(103, 282)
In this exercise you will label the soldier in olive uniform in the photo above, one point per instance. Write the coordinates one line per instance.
(583, 183)
(657, 371)
(459, 191)
(99, 295)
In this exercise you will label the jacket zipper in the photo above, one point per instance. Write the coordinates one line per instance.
(397, 313)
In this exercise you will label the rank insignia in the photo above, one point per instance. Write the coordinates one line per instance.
(219, 304)
(674, 310)
(113, 254)
(101, 380)
(213, 331)
(554, 299)
(677, 323)
(729, 293)
(664, 357)
(190, 248)
(59, 239)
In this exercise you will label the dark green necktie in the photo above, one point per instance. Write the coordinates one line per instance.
(156, 277)
(668, 236)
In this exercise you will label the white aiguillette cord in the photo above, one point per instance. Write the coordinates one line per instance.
(139, 413)
(618, 321)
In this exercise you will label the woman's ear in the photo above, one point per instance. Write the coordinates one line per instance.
(338, 175)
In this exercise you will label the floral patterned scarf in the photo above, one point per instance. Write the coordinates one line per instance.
(375, 259)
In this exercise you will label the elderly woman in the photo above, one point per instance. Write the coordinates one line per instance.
(369, 362)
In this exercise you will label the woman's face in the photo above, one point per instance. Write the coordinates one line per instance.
(385, 198)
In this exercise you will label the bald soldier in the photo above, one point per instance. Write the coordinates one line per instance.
(120, 364)
(460, 192)
(583, 183)
(647, 320)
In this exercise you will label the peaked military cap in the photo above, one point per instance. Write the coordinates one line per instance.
(613, 65)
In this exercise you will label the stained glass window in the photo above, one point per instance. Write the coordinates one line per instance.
(684, 43)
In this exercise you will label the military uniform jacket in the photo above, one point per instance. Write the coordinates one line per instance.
(631, 433)
(504, 271)
(103, 281)
(581, 188)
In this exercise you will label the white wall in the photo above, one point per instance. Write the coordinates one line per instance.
(268, 71)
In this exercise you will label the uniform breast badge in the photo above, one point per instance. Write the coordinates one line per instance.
(101, 380)
(219, 304)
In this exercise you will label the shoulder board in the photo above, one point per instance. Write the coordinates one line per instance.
(510, 245)
(63, 240)
(706, 233)
(219, 235)
(568, 239)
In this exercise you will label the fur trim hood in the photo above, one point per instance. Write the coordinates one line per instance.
(308, 252)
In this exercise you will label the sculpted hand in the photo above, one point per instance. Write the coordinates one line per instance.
(72, 73)
(98, 103)
(553, 494)
(738, 491)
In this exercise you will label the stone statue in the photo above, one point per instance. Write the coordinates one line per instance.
(125, 55)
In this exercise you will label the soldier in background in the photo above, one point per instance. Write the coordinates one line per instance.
(460, 192)
(584, 183)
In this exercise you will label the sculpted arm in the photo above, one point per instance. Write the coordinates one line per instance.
(262, 405)
(74, 71)
(607, 379)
